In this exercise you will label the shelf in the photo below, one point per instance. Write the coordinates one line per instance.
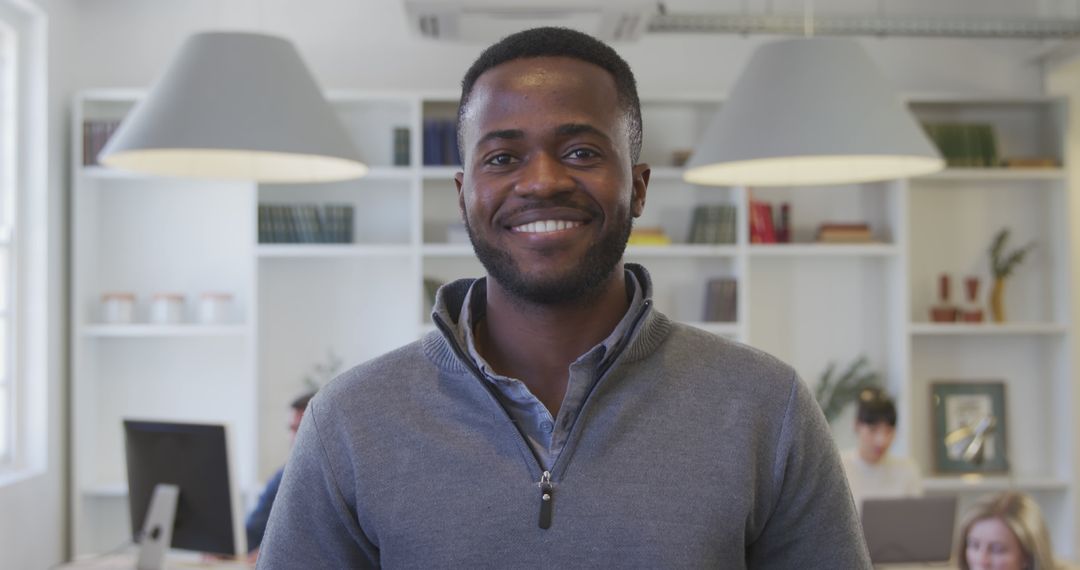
(106, 490)
(439, 172)
(682, 250)
(667, 173)
(163, 331)
(448, 250)
(979, 483)
(986, 329)
(1003, 174)
(388, 173)
(296, 250)
(824, 249)
(105, 173)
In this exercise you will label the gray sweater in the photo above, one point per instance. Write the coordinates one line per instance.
(691, 452)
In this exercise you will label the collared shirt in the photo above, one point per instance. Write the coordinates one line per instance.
(545, 434)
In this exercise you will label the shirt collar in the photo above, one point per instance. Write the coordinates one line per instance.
(474, 307)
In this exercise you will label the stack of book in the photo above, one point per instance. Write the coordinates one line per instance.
(648, 236)
(763, 229)
(440, 142)
(713, 224)
(965, 145)
(844, 233)
(95, 134)
(305, 223)
(720, 300)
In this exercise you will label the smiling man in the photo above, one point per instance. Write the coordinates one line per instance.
(557, 419)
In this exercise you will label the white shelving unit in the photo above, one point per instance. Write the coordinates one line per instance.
(809, 304)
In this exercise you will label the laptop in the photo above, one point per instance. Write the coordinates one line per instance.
(909, 530)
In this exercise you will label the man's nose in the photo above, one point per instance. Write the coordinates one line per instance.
(544, 175)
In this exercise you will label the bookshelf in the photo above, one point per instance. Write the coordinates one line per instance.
(808, 303)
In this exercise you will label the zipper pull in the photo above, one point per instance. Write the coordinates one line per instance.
(546, 489)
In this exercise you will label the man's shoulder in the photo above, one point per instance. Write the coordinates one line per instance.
(713, 353)
(380, 373)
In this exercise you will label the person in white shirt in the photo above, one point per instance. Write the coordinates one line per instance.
(872, 472)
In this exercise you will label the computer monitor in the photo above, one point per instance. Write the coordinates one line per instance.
(909, 530)
(180, 489)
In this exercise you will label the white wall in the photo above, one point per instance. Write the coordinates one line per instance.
(363, 44)
(32, 521)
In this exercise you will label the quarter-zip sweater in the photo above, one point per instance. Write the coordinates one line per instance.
(690, 451)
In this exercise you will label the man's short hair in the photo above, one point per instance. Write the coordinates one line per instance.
(300, 403)
(875, 407)
(560, 42)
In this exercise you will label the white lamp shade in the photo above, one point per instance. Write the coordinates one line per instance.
(235, 106)
(811, 111)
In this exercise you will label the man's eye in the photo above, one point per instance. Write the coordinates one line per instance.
(500, 160)
(582, 154)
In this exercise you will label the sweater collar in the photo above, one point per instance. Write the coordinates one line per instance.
(445, 347)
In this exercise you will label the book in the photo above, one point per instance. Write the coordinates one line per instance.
(648, 236)
(844, 233)
(761, 223)
(720, 300)
(965, 145)
(401, 146)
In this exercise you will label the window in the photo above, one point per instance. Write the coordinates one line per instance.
(8, 169)
(25, 284)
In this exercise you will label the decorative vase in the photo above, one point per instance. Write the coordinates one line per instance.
(997, 300)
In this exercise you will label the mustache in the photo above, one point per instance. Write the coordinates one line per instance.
(554, 202)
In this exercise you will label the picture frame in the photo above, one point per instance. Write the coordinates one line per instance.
(969, 429)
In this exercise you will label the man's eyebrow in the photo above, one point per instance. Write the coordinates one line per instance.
(572, 129)
(504, 134)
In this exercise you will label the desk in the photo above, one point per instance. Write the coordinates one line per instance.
(126, 561)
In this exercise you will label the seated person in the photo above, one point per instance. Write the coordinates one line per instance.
(1004, 531)
(256, 520)
(871, 471)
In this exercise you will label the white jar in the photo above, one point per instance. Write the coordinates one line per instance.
(214, 308)
(118, 308)
(167, 309)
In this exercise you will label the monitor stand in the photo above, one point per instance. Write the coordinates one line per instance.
(156, 535)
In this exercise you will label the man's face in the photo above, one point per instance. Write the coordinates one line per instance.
(548, 191)
(874, 440)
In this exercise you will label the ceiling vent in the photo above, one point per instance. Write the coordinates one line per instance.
(487, 22)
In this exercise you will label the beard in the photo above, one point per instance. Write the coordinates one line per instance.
(581, 283)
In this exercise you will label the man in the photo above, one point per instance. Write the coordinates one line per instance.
(872, 472)
(255, 525)
(556, 419)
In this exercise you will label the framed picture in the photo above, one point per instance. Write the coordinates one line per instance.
(969, 434)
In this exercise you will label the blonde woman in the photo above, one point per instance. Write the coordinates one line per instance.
(1004, 531)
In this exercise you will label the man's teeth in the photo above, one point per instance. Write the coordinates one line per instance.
(544, 226)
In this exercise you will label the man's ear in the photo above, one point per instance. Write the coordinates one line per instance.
(459, 177)
(640, 173)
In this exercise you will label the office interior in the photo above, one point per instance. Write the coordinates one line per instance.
(297, 313)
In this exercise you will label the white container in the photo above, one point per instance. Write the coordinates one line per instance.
(215, 308)
(167, 309)
(118, 308)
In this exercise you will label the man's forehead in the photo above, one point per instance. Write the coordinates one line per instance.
(562, 82)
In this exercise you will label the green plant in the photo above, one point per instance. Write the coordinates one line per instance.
(834, 394)
(323, 372)
(1002, 264)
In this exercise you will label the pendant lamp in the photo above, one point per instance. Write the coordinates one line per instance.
(235, 106)
(811, 111)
